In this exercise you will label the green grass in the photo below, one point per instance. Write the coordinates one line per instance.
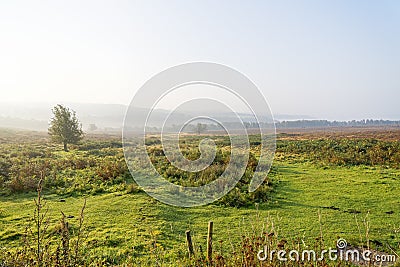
(354, 203)
(335, 188)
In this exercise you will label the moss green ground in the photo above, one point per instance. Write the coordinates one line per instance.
(355, 203)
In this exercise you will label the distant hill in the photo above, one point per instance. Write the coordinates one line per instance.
(23, 124)
(110, 117)
(35, 116)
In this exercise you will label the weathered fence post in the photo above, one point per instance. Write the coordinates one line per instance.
(189, 243)
(209, 242)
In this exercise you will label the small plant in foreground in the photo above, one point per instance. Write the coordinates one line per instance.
(41, 248)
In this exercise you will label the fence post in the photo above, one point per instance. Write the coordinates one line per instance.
(209, 242)
(189, 243)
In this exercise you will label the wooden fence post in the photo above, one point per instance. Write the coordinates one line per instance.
(209, 242)
(189, 243)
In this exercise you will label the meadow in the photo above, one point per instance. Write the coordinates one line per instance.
(323, 185)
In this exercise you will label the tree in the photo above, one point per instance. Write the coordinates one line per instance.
(92, 127)
(200, 128)
(65, 127)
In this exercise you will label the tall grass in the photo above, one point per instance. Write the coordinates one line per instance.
(42, 248)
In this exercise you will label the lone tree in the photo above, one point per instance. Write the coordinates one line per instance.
(200, 128)
(65, 127)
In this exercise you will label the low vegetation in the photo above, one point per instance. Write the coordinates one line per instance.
(318, 190)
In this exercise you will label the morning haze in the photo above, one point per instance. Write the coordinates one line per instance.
(187, 175)
(336, 60)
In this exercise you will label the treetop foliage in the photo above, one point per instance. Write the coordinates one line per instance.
(65, 127)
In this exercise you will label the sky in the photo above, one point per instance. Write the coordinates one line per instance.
(336, 60)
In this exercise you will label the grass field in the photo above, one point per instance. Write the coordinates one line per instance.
(309, 197)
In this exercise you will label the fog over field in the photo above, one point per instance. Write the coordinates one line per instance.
(35, 116)
(199, 133)
(335, 61)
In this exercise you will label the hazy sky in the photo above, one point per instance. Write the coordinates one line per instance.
(326, 59)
